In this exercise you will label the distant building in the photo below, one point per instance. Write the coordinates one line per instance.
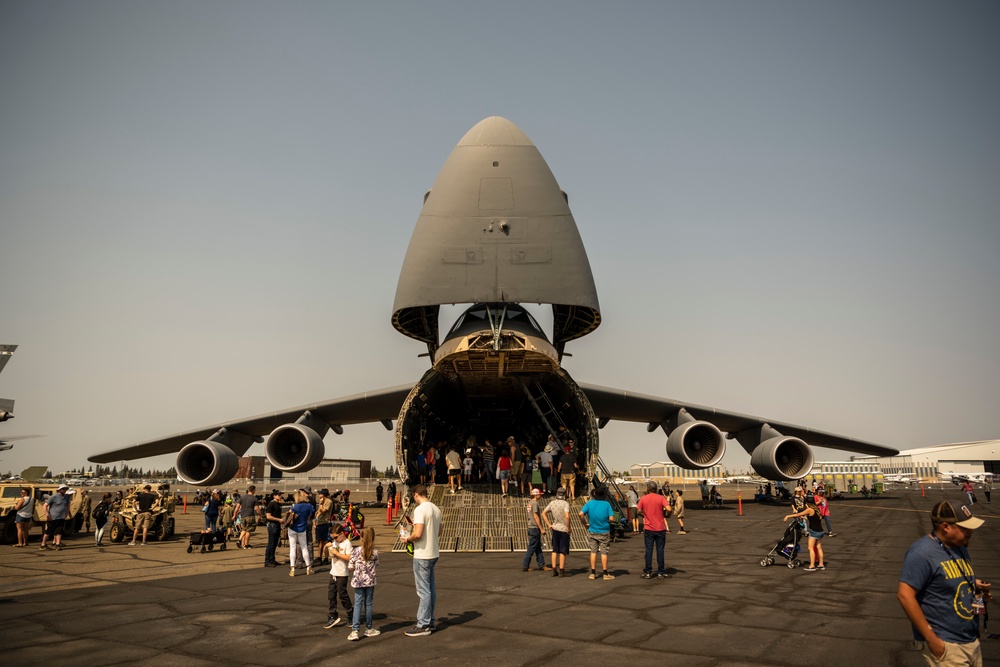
(328, 472)
(842, 474)
(667, 471)
(929, 462)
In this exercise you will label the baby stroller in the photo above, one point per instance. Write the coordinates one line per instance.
(787, 547)
(354, 522)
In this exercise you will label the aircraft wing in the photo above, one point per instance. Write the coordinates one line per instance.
(373, 406)
(617, 404)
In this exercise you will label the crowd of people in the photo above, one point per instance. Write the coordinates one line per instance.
(508, 464)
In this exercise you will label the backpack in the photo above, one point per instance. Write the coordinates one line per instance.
(288, 519)
(100, 512)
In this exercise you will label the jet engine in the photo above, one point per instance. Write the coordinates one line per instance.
(696, 444)
(294, 448)
(782, 458)
(206, 463)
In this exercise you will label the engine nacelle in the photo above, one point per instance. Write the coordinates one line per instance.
(4, 415)
(696, 444)
(294, 448)
(782, 458)
(207, 463)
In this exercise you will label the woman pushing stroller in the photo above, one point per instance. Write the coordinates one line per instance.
(815, 531)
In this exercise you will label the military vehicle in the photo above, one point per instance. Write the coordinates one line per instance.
(123, 519)
(9, 494)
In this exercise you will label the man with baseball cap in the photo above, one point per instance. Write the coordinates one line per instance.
(939, 592)
(57, 506)
(535, 531)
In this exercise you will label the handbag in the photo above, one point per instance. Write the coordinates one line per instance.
(288, 519)
(204, 509)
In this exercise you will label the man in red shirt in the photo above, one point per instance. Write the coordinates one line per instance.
(654, 509)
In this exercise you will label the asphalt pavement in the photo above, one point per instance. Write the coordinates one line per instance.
(159, 605)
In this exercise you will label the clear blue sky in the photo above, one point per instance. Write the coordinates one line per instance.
(791, 209)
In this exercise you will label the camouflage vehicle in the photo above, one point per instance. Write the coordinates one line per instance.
(123, 519)
(9, 495)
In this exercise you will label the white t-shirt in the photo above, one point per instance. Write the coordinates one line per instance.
(339, 567)
(428, 514)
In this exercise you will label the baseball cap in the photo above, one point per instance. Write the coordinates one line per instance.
(536, 492)
(944, 512)
(324, 492)
(561, 492)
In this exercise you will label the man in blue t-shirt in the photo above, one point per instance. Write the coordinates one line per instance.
(937, 588)
(597, 515)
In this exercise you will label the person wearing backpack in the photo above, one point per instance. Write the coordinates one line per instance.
(100, 515)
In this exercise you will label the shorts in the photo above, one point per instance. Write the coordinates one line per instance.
(599, 542)
(816, 534)
(248, 523)
(679, 515)
(55, 527)
(560, 542)
(322, 532)
(143, 519)
(22, 519)
(504, 474)
(454, 472)
(515, 469)
(569, 483)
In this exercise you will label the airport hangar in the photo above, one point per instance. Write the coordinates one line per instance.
(924, 463)
(928, 462)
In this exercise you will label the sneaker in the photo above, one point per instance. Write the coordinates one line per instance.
(291, 572)
(555, 573)
(592, 576)
(142, 544)
(131, 544)
(525, 569)
(545, 568)
(562, 573)
(270, 565)
(44, 548)
(372, 632)
(646, 575)
(459, 488)
(831, 534)
(333, 622)
(58, 547)
(663, 575)
(354, 636)
(417, 631)
(682, 532)
(608, 577)
(809, 569)
(821, 567)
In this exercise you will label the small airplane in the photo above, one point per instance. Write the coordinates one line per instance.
(742, 479)
(900, 478)
(962, 477)
(496, 237)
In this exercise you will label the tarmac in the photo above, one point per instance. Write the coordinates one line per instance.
(159, 605)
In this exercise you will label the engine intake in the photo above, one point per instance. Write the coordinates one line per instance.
(696, 444)
(294, 448)
(206, 463)
(782, 458)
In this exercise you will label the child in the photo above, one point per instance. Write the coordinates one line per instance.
(339, 552)
(363, 562)
(467, 467)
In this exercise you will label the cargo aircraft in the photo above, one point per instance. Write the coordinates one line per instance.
(7, 404)
(495, 234)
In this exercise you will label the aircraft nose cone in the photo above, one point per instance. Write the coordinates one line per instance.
(495, 131)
